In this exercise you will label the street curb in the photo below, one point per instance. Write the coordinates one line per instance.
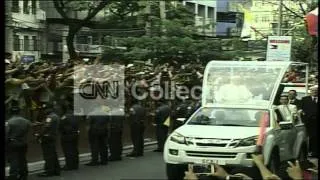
(37, 167)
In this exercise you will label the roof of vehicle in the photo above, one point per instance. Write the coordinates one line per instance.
(255, 63)
(229, 69)
(245, 106)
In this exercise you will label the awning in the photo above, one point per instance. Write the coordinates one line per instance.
(312, 22)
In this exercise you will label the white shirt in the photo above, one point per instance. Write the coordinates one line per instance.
(288, 111)
(234, 93)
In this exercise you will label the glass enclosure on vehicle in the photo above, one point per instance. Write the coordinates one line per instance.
(228, 117)
(242, 83)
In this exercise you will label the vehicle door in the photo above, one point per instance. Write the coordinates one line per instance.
(286, 138)
(301, 135)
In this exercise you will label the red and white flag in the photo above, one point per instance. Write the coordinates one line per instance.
(312, 22)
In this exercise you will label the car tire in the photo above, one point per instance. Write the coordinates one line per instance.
(176, 171)
(274, 163)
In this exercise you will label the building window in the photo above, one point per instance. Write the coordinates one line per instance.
(34, 7)
(16, 43)
(26, 43)
(226, 17)
(264, 19)
(15, 6)
(34, 43)
(201, 10)
(82, 39)
(191, 7)
(210, 12)
(25, 7)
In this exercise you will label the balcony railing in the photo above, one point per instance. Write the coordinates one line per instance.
(84, 48)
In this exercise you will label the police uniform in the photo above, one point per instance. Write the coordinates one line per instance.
(184, 110)
(115, 139)
(69, 130)
(162, 113)
(137, 116)
(98, 136)
(17, 129)
(48, 138)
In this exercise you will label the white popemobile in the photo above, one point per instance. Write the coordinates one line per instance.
(236, 98)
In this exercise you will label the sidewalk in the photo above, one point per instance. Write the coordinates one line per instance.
(37, 167)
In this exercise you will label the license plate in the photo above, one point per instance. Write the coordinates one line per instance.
(213, 161)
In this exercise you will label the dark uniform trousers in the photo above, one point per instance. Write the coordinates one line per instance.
(50, 156)
(69, 144)
(137, 137)
(18, 162)
(69, 130)
(48, 145)
(115, 142)
(162, 113)
(98, 144)
(161, 132)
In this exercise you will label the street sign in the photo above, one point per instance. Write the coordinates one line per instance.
(279, 48)
(27, 59)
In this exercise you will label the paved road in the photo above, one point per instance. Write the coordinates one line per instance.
(151, 166)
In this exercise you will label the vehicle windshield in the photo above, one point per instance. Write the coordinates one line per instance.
(228, 117)
(240, 84)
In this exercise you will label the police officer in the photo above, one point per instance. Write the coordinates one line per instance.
(48, 138)
(69, 130)
(98, 135)
(17, 129)
(162, 113)
(183, 110)
(137, 117)
(115, 139)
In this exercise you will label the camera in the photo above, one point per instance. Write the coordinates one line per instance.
(202, 168)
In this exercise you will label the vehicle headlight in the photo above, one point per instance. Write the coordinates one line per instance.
(248, 141)
(178, 138)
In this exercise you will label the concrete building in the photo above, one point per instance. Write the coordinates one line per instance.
(24, 30)
(266, 18)
(205, 14)
(229, 19)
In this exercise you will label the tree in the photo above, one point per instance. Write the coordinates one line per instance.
(304, 46)
(66, 7)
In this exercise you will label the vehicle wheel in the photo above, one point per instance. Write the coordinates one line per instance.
(176, 171)
(274, 163)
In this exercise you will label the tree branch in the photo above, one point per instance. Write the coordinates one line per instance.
(59, 6)
(95, 11)
(288, 9)
(302, 9)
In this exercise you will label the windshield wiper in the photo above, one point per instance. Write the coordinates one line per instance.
(229, 125)
(198, 123)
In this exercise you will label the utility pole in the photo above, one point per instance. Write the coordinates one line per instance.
(280, 17)
(162, 5)
(148, 13)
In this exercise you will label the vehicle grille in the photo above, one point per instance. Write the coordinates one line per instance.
(211, 144)
(204, 142)
(211, 154)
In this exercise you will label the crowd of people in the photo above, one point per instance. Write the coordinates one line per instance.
(294, 170)
(40, 97)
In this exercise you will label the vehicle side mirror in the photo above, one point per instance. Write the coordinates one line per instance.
(181, 119)
(285, 125)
